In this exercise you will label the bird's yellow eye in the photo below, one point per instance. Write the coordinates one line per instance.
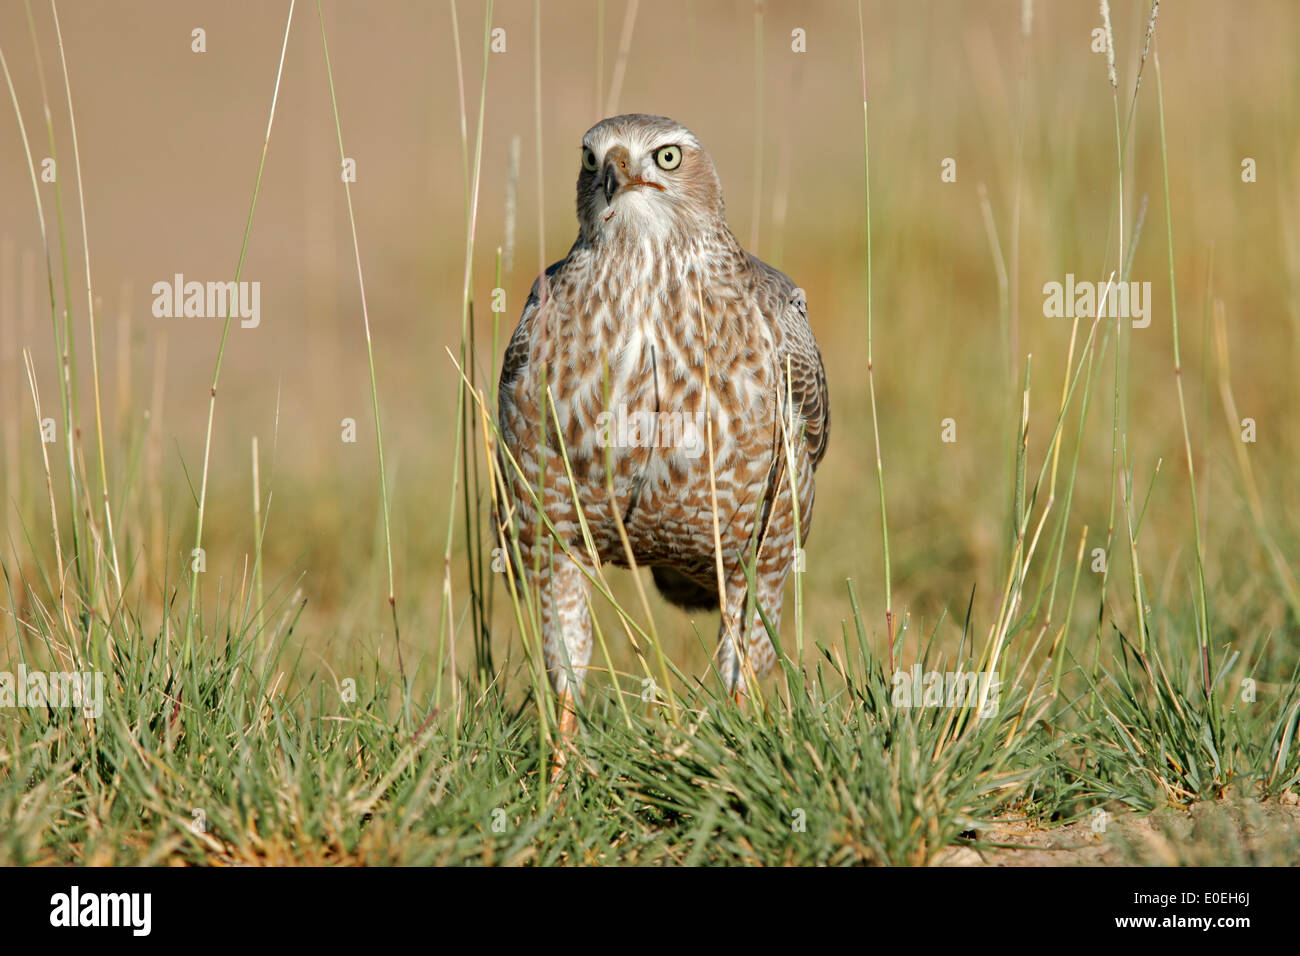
(668, 157)
(588, 159)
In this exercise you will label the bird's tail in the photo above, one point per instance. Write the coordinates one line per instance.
(682, 591)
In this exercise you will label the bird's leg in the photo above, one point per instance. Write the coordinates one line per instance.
(745, 651)
(566, 732)
(566, 625)
(733, 660)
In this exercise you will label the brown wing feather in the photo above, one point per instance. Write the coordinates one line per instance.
(517, 350)
(786, 308)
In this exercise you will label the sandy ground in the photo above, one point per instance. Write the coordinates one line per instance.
(1241, 832)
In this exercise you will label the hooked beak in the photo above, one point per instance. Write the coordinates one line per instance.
(611, 181)
(617, 175)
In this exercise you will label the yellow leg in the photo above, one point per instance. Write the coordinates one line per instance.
(568, 730)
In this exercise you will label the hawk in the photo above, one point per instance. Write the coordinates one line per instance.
(676, 378)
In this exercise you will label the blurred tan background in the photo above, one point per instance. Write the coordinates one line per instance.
(170, 140)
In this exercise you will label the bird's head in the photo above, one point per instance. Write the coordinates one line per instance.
(646, 175)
